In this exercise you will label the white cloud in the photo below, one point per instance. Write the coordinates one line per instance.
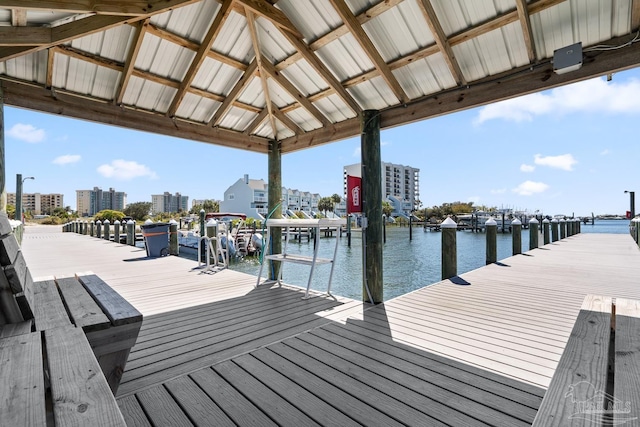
(66, 159)
(527, 168)
(564, 161)
(529, 188)
(595, 95)
(605, 152)
(499, 191)
(26, 133)
(125, 170)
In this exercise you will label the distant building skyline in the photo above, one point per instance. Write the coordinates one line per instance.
(37, 203)
(90, 202)
(169, 203)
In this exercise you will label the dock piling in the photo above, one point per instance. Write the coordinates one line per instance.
(107, 229)
(545, 231)
(554, 230)
(116, 231)
(491, 226)
(174, 248)
(533, 233)
(98, 229)
(131, 233)
(449, 250)
(516, 230)
(563, 228)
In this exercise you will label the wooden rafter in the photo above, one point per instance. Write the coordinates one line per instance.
(191, 45)
(196, 63)
(527, 32)
(104, 7)
(234, 93)
(50, 61)
(268, 11)
(367, 45)
(285, 120)
(67, 32)
(270, 70)
(256, 121)
(130, 61)
(340, 31)
(251, 23)
(441, 41)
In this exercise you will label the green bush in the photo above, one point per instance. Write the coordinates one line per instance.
(109, 214)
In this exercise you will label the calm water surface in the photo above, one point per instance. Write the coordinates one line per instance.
(407, 265)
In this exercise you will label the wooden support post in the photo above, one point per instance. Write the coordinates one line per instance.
(516, 230)
(274, 201)
(174, 248)
(372, 204)
(99, 229)
(384, 229)
(545, 231)
(491, 226)
(107, 229)
(3, 169)
(554, 230)
(502, 222)
(563, 228)
(92, 228)
(533, 233)
(449, 249)
(116, 231)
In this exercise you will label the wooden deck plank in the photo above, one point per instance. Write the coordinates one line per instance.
(232, 402)
(49, 309)
(323, 388)
(318, 410)
(627, 358)
(133, 413)
(161, 408)
(84, 311)
(196, 403)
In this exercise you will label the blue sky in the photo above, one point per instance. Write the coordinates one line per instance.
(569, 150)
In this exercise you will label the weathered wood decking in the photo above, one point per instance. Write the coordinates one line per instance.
(479, 350)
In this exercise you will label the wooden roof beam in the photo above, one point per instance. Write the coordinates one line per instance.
(234, 93)
(104, 7)
(38, 98)
(270, 12)
(635, 15)
(251, 24)
(201, 54)
(441, 41)
(270, 70)
(130, 61)
(67, 32)
(286, 120)
(527, 32)
(367, 45)
(340, 31)
(510, 84)
(191, 45)
(257, 121)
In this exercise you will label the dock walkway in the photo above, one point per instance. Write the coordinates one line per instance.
(478, 350)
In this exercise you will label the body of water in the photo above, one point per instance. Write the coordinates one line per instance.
(407, 265)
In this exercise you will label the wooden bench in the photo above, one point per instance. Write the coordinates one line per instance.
(78, 330)
(597, 381)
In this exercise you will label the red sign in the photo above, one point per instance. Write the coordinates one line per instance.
(354, 194)
(628, 215)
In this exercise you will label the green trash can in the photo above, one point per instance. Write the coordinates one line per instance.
(156, 238)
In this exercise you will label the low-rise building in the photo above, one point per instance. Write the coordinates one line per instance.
(37, 203)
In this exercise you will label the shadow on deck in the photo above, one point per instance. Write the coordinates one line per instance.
(270, 358)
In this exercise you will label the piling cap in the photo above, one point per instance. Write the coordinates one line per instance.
(212, 222)
(106, 222)
(563, 220)
(516, 221)
(99, 222)
(491, 221)
(116, 222)
(173, 221)
(555, 220)
(545, 221)
(148, 222)
(131, 222)
(534, 221)
(448, 223)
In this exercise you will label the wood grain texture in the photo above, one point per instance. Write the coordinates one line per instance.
(22, 381)
(84, 311)
(627, 360)
(49, 311)
(79, 391)
(119, 310)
